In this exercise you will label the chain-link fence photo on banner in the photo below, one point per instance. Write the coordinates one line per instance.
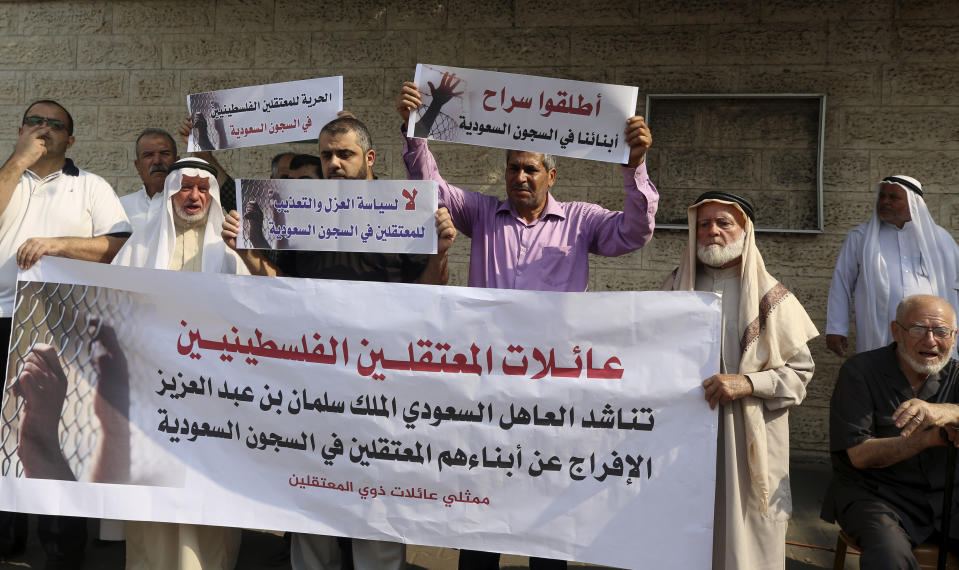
(65, 357)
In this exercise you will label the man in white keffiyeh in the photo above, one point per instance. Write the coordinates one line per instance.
(899, 252)
(182, 233)
(764, 370)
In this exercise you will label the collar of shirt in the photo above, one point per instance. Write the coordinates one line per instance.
(69, 169)
(889, 226)
(552, 209)
(146, 196)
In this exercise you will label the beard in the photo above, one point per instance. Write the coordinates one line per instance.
(191, 219)
(715, 255)
(924, 368)
(364, 173)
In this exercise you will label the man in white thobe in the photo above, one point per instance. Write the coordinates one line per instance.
(899, 252)
(764, 370)
(183, 235)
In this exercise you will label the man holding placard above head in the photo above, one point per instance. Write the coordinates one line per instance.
(346, 153)
(531, 241)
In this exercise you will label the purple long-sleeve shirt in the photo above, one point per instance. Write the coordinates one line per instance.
(552, 252)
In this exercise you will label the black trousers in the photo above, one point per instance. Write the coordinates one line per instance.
(878, 531)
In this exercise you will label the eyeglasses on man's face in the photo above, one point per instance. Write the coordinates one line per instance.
(919, 331)
(35, 121)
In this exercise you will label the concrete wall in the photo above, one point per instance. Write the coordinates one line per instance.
(889, 68)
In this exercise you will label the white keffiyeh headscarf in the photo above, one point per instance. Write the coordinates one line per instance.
(933, 258)
(155, 244)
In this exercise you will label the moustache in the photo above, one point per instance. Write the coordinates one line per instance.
(159, 168)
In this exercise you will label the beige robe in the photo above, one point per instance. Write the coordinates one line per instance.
(744, 537)
(172, 546)
(188, 249)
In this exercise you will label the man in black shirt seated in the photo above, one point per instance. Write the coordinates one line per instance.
(892, 412)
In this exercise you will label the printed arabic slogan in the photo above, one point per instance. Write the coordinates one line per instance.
(523, 112)
(263, 114)
(561, 425)
(386, 216)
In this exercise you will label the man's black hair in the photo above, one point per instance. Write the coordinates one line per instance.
(301, 160)
(275, 163)
(349, 124)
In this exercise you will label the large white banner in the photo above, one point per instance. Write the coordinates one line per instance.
(522, 112)
(562, 425)
(263, 114)
(394, 216)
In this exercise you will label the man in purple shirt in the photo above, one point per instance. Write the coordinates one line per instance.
(532, 241)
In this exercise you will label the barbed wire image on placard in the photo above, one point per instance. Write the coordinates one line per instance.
(446, 92)
(207, 129)
(443, 127)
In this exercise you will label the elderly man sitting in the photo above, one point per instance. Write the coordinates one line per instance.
(885, 435)
(183, 235)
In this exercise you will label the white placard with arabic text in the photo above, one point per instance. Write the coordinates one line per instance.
(386, 216)
(263, 114)
(522, 112)
(444, 416)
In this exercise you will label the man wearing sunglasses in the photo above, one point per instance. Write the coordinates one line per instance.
(891, 414)
(48, 206)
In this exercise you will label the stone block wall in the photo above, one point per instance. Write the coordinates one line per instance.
(888, 68)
